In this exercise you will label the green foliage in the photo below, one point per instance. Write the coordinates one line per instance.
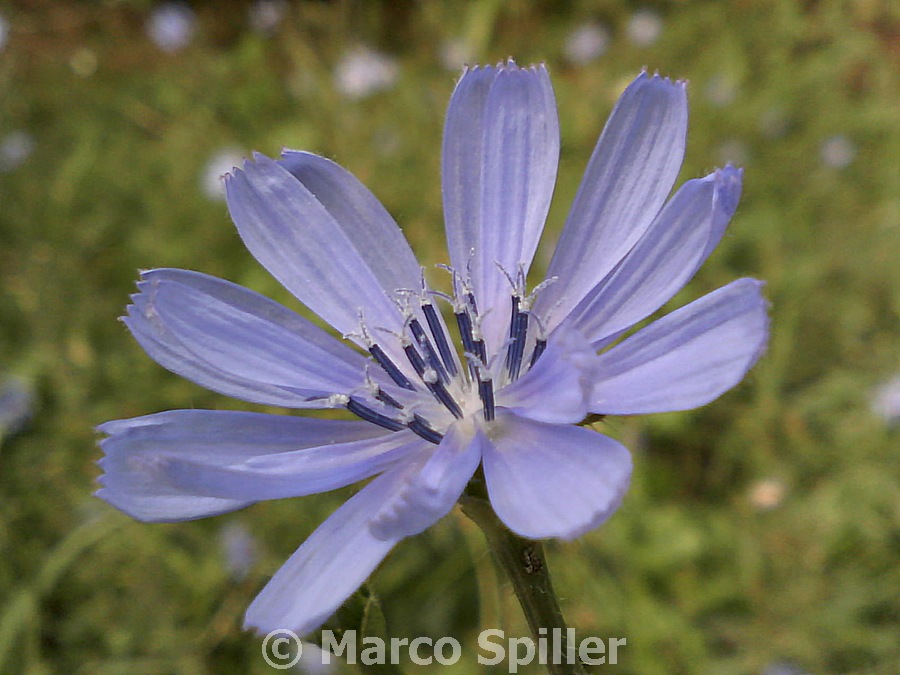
(761, 529)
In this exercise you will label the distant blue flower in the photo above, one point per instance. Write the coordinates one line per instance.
(837, 152)
(16, 406)
(265, 15)
(238, 549)
(586, 43)
(15, 149)
(644, 27)
(4, 32)
(363, 71)
(171, 26)
(783, 669)
(504, 389)
(886, 401)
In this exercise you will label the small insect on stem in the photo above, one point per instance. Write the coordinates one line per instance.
(533, 562)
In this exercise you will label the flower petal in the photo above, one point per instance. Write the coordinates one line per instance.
(547, 480)
(337, 269)
(678, 242)
(146, 459)
(164, 347)
(433, 487)
(500, 154)
(687, 358)
(293, 473)
(629, 176)
(236, 331)
(557, 389)
(373, 231)
(329, 566)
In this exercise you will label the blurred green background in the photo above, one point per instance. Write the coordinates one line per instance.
(761, 532)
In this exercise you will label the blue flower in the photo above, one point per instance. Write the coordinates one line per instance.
(501, 381)
(171, 26)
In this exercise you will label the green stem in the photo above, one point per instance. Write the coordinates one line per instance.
(524, 563)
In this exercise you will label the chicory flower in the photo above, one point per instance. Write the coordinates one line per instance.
(499, 381)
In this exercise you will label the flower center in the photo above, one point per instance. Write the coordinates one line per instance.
(459, 381)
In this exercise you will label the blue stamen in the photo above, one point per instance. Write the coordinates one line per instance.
(486, 394)
(437, 331)
(539, 346)
(470, 299)
(415, 359)
(439, 391)
(420, 427)
(390, 367)
(518, 332)
(480, 350)
(366, 413)
(430, 355)
(465, 330)
(464, 322)
(510, 350)
(385, 397)
(434, 385)
(512, 316)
